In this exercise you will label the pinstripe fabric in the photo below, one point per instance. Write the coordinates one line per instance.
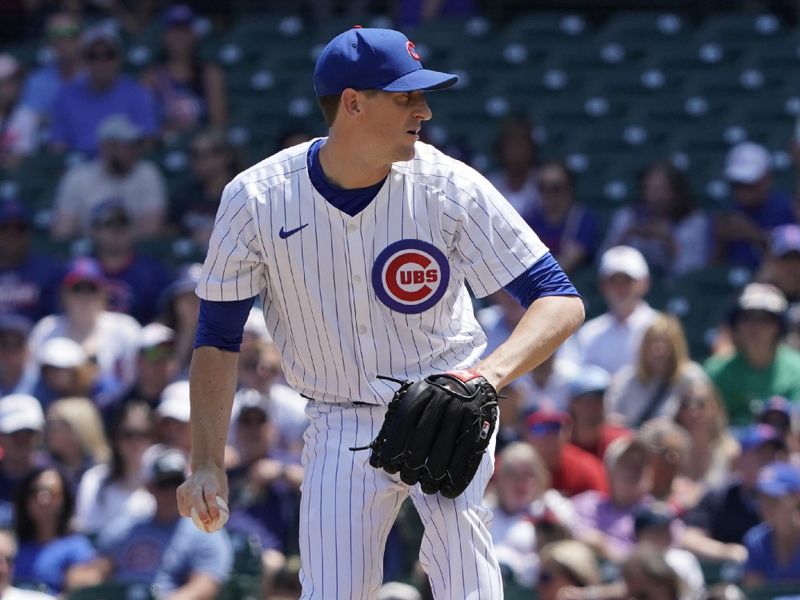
(343, 530)
(334, 332)
(342, 311)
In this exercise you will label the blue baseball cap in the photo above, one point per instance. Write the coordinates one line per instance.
(779, 479)
(178, 14)
(374, 59)
(754, 436)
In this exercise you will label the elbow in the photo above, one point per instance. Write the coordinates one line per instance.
(577, 313)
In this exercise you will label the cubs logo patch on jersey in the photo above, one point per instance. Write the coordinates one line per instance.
(410, 276)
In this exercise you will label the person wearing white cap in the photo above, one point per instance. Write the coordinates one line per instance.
(64, 370)
(21, 427)
(156, 365)
(761, 365)
(118, 172)
(756, 207)
(612, 340)
(18, 122)
(173, 414)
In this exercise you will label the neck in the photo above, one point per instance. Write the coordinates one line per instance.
(787, 536)
(347, 168)
(80, 328)
(100, 86)
(114, 259)
(516, 177)
(760, 358)
(623, 312)
(46, 532)
(585, 435)
(556, 213)
(69, 67)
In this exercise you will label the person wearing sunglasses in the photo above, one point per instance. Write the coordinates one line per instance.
(569, 229)
(62, 33)
(119, 175)
(111, 338)
(755, 207)
(50, 553)
(116, 488)
(155, 364)
(80, 106)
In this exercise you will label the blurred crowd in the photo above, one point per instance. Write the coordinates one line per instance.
(626, 467)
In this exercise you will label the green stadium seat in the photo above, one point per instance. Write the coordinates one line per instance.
(644, 28)
(774, 591)
(733, 25)
(547, 27)
(113, 591)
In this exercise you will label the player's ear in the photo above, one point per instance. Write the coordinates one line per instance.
(350, 102)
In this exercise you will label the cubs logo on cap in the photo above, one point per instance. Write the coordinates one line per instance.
(410, 276)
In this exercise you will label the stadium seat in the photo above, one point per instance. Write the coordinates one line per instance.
(774, 591)
(735, 25)
(644, 28)
(547, 27)
(113, 591)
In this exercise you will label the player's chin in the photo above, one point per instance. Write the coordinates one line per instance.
(406, 152)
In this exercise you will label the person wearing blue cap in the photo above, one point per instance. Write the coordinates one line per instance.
(773, 547)
(718, 524)
(189, 90)
(360, 246)
(29, 281)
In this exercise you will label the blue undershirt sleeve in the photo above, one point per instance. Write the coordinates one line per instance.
(544, 278)
(221, 324)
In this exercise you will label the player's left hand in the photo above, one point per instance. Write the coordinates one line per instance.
(436, 431)
(199, 492)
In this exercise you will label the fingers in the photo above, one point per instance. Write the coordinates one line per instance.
(201, 499)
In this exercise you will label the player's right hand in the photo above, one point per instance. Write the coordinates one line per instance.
(199, 491)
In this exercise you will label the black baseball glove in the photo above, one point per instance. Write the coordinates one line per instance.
(436, 431)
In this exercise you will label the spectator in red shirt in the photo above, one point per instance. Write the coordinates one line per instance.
(586, 406)
(573, 470)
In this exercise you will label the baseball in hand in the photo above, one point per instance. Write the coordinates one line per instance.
(224, 513)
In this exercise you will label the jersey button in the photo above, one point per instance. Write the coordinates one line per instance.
(357, 279)
(362, 329)
(351, 228)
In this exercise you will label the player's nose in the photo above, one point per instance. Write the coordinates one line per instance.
(421, 109)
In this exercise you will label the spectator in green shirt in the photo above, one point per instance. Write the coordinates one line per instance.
(761, 366)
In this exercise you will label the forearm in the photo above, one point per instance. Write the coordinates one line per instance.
(544, 326)
(704, 547)
(199, 587)
(213, 383)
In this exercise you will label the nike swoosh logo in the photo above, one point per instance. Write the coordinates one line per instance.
(284, 234)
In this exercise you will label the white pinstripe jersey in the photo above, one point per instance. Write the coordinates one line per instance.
(381, 293)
